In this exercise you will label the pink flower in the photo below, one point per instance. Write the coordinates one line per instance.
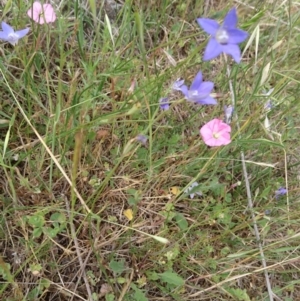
(41, 13)
(216, 133)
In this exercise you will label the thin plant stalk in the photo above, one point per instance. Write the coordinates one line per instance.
(249, 195)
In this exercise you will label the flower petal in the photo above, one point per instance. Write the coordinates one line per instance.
(212, 50)
(3, 36)
(141, 138)
(224, 140)
(205, 88)
(196, 82)
(207, 101)
(49, 13)
(213, 127)
(164, 103)
(211, 142)
(177, 84)
(206, 132)
(236, 36)
(6, 28)
(185, 91)
(42, 13)
(232, 50)
(228, 113)
(224, 130)
(230, 20)
(22, 33)
(37, 7)
(208, 25)
(215, 124)
(35, 11)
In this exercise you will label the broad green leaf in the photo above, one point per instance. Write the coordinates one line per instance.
(58, 217)
(238, 293)
(37, 232)
(37, 221)
(117, 266)
(138, 293)
(181, 221)
(51, 232)
(110, 297)
(171, 278)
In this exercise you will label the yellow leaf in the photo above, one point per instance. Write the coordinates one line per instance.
(129, 214)
(174, 190)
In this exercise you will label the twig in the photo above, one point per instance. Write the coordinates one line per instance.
(81, 271)
(249, 196)
(126, 287)
(82, 265)
(286, 184)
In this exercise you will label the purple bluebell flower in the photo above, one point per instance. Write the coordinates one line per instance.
(280, 192)
(141, 138)
(268, 104)
(224, 38)
(9, 35)
(164, 103)
(192, 189)
(228, 113)
(199, 91)
(177, 84)
(267, 212)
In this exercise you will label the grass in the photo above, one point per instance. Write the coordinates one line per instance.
(68, 119)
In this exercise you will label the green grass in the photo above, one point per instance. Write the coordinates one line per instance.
(68, 120)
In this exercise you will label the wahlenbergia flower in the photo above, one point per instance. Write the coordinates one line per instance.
(224, 38)
(9, 35)
(216, 133)
(190, 190)
(267, 212)
(142, 139)
(177, 84)
(199, 91)
(280, 192)
(228, 113)
(164, 103)
(268, 104)
(41, 13)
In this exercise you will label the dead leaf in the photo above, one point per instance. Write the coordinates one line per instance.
(102, 134)
(174, 190)
(129, 214)
(105, 289)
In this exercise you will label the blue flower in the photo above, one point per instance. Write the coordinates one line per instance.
(9, 35)
(268, 104)
(177, 84)
(224, 38)
(142, 139)
(280, 192)
(164, 103)
(228, 113)
(192, 190)
(199, 91)
(267, 212)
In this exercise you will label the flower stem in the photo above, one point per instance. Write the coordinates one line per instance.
(248, 191)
